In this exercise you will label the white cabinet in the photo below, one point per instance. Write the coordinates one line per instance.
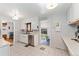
(35, 24)
(74, 21)
(75, 10)
(35, 40)
(23, 38)
(4, 50)
(73, 13)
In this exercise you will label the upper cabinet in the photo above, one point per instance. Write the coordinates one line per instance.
(31, 24)
(73, 14)
(35, 24)
(74, 21)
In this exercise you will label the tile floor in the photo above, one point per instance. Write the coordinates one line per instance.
(20, 50)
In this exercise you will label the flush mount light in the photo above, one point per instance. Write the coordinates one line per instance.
(15, 15)
(51, 5)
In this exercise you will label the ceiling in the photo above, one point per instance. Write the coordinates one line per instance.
(31, 9)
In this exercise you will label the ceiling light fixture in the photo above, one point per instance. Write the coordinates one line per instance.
(15, 17)
(15, 14)
(51, 5)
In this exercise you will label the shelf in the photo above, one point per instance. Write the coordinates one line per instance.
(74, 22)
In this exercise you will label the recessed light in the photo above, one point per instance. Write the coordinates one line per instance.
(51, 5)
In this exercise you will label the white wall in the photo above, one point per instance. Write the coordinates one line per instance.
(65, 30)
(73, 12)
(55, 37)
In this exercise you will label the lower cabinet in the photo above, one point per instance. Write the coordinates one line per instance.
(23, 38)
(5, 50)
(29, 39)
(36, 39)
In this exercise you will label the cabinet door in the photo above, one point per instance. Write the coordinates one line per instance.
(32, 42)
(36, 39)
(31, 39)
(73, 12)
(35, 24)
(24, 38)
(4, 51)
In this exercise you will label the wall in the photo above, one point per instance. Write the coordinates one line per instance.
(65, 30)
(73, 12)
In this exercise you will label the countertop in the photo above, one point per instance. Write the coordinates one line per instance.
(72, 46)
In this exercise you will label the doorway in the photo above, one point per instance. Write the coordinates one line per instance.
(44, 40)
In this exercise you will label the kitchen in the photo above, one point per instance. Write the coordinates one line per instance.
(55, 28)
